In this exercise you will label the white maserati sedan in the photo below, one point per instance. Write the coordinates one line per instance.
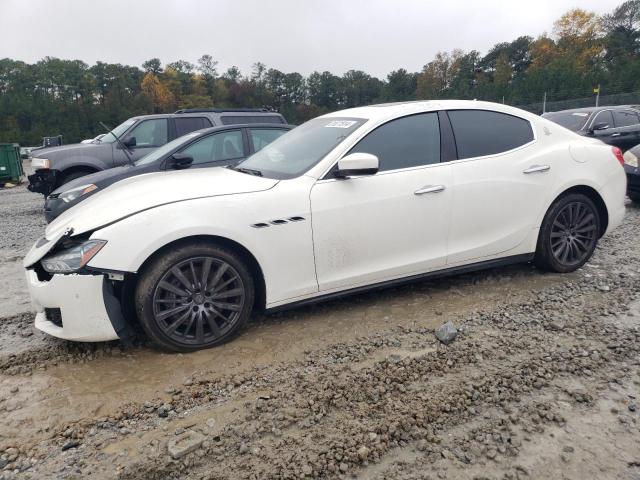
(352, 200)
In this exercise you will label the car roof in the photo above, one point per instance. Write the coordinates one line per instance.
(210, 113)
(389, 110)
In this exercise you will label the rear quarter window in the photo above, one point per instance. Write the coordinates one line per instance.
(482, 132)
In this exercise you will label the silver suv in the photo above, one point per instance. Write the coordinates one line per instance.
(131, 140)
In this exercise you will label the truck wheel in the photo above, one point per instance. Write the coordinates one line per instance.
(193, 297)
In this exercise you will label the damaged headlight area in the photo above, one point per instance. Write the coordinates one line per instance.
(72, 259)
(75, 193)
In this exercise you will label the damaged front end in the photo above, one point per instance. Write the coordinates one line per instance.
(42, 181)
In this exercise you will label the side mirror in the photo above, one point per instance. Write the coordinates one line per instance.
(357, 164)
(129, 142)
(180, 161)
(599, 126)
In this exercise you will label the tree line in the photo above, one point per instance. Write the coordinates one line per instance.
(69, 97)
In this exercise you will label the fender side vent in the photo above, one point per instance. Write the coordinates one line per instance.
(296, 219)
(260, 225)
(279, 221)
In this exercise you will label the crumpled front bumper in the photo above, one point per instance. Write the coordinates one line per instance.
(75, 307)
(42, 181)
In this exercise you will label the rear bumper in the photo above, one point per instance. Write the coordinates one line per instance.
(43, 181)
(614, 195)
(75, 307)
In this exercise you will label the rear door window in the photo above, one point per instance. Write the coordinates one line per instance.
(218, 147)
(261, 137)
(625, 118)
(404, 142)
(483, 132)
(189, 124)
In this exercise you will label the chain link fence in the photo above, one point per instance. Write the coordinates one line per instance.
(630, 98)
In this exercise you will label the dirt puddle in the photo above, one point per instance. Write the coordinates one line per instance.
(66, 393)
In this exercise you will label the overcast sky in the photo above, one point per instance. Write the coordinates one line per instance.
(376, 36)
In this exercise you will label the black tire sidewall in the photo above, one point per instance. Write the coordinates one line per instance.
(151, 275)
(544, 257)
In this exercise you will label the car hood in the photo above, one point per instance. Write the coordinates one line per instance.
(100, 179)
(73, 150)
(135, 194)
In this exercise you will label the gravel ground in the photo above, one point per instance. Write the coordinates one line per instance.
(22, 224)
(542, 381)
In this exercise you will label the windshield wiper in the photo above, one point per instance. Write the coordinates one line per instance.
(249, 171)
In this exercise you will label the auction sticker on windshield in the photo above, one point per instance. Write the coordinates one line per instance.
(340, 124)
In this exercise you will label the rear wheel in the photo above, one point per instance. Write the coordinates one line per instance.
(568, 235)
(196, 296)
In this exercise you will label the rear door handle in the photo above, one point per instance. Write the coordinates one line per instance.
(537, 169)
(615, 134)
(429, 189)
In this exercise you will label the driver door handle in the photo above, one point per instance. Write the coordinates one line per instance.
(429, 189)
(537, 169)
(615, 134)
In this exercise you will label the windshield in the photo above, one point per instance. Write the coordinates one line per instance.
(118, 131)
(297, 151)
(573, 121)
(165, 149)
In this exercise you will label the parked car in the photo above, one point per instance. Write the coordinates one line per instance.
(617, 126)
(633, 173)
(211, 147)
(139, 136)
(352, 200)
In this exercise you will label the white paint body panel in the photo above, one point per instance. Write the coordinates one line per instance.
(80, 300)
(354, 232)
(369, 229)
(136, 194)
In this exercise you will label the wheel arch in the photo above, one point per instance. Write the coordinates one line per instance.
(594, 196)
(252, 262)
(88, 169)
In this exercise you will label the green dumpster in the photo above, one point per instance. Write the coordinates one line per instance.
(10, 163)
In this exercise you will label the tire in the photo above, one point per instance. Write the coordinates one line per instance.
(180, 312)
(568, 235)
(72, 176)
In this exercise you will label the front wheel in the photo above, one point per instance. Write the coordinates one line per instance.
(193, 297)
(568, 235)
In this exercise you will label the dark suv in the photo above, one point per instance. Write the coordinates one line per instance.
(139, 136)
(617, 126)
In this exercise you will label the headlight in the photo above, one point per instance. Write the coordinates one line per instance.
(630, 159)
(74, 193)
(72, 259)
(40, 163)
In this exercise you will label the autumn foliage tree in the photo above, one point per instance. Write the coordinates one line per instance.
(69, 97)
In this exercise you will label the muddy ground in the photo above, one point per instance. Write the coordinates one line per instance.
(543, 381)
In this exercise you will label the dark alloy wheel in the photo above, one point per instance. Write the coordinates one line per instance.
(569, 234)
(195, 297)
(198, 299)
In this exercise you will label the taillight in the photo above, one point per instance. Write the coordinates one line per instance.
(618, 154)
